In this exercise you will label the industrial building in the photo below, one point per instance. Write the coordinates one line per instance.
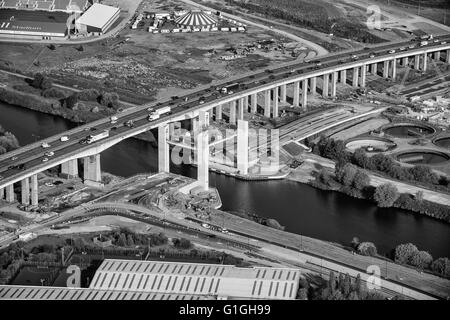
(97, 19)
(33, 25)
(118, 279)
(221, 281)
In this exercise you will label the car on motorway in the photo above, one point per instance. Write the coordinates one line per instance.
(354, 57)
(120, 110)
(49, 154)
(150, 109)
(391, 51)
(14, 158)
(45, 145)
(318, 64)
(49, 184)
(402, 49)
(443, 42)
(372, 55)
(412, 46)
(87, 129)
(93, 129)
(114, 128)
(201, 100)
(64, 138)
(45, 160)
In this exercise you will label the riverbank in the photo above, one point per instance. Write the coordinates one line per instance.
(433, 204)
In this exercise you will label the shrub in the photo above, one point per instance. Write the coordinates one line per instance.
(54, 93)
(441, 266)
(367, 249)
(182, 243)
(421, 259)
(109, 99)
(89, 95)
(404, 253)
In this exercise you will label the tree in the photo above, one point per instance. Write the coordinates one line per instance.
(357, 284)
(54, 93)
(71, 101)
(109, 99)
(367, 249)
(421, 259)
(361, 159)
(419, 196)
(89, 95)
(346, 174)
(441, 266)
(360, 180)
(332, 282)
(355, 242)
(385, 195)
(404, 252)
(130, 241)
(424, 174)
(37, 80)
(122, 241)
(347, 286)
(303, 294)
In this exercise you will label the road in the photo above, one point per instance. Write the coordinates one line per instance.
(32, 155)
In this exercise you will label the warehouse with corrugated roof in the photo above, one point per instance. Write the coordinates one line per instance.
(222, 281)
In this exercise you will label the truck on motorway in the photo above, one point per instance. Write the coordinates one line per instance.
(163, 110)
(228, 88)
(158, 112)
(95, 137)
(113, 119)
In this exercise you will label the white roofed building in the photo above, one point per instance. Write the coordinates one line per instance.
(97, 19)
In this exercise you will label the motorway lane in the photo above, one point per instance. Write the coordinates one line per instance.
(208, 94)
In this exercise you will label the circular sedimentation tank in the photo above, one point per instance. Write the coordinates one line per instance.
(442, 142)
(370, 144)
(408, 130)
(426, 157)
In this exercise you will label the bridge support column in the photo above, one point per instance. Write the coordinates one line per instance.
(334, 77)
(240, 114)
(386, 69)
(9, 191)
(312, 85)
(283, 93)
(267, 103)
(417, 62)
(425, 62)
(242, 147)
(296, 94)
(69, 169)
(218, 113)
(25, 185)
(394, 69)
(2, 193)
(304, 93)
(262, 144)
(92, 172)
(355, 76)
(163, 149)
(436, 55)
(374, 69)
(326, 79)
(254, 103)
(275, 103)
(232, 112)
(203, 152)
(405, 61)
(363, 77)
(343, 76)
(447, 56)
(34, 190)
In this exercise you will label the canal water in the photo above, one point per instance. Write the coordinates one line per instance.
(302, 209)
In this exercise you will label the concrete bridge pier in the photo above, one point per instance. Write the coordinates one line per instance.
(267, 103)
(163, 149)
(275, 103)
(326, 79)
(92, 173)
(69, 169)
(424, 62)
(343, 76)
(34, 190)
(25, 191)
(334, 77)
(304, 93)
(373, 68)
(313, 85)
(386, 69)
(242, 147)
(2, 193)
(241, 107)
(283, 93)
(254, 103)
(416, 62)
(203, 151)
(447, 56)
(296, 97)
(218, 113)
(363, 76)
(232, 105)
(9, 193)
(394, 69)
(355, 77)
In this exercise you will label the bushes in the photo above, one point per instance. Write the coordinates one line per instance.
(367, 249)
(404, 253)
(89, 95)
(181, 243)
(421, 260)
(110, 99)
(441, 266)
(54, 93)
(385, 195)
(41, 82)
(71, 101)
(8, 141)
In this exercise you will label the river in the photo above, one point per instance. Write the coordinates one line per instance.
(302, 209)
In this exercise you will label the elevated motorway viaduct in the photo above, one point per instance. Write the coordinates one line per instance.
(262, 92)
